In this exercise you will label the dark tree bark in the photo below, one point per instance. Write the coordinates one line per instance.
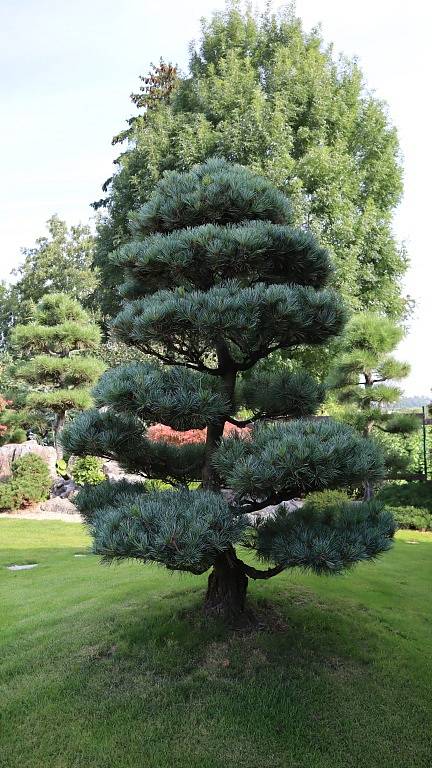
(227, 372)
(226, 589)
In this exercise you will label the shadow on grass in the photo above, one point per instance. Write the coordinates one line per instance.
(136, 672)
(295, 630)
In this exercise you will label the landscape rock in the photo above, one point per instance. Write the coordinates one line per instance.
(290, 505)
(58, 506)
(64, 488)
(113, 472)
(12, 451)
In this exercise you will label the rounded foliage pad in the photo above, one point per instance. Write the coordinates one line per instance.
(184, 530)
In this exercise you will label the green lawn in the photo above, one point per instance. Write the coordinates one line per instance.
(108, 667)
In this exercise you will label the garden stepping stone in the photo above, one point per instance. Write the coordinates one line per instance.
(22, 567)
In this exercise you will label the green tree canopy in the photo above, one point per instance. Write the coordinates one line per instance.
(216, 278)
(59, 262)
(52, 363)
(262, 92)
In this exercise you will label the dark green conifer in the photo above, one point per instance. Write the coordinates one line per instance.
(52, 347)
(364, 377)
(216, 279)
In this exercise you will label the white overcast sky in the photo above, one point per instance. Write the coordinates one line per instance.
(67, 69)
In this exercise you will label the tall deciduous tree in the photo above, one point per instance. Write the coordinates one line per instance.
(56, 368)
(262, 92)
(217, 278)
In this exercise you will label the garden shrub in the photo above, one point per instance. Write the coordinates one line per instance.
(18, 435)
(10, 429)
(7, 496)
(322, 500)
(160, 432)
(412, 518)
(30, 483)
(412, 494)
(62, 467)
(87, 470)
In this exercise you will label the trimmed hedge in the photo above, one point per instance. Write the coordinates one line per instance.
(412, 494)
(413, 518)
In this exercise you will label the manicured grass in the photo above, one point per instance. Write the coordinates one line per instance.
(114, 667)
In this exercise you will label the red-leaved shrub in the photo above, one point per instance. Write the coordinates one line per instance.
(162, 433)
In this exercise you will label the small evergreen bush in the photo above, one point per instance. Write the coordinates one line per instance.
(323, 500)
(30, 483)
(87, 470)
(7, 497)
(18, 435)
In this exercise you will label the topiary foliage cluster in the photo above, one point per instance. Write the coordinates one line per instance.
(285, 460)
(184, 530)
(327, 540)
(215, 280)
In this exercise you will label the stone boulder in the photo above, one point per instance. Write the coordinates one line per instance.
(64, 488)
(12, 451)
(254, 517)
(113, 472)
(58, 506)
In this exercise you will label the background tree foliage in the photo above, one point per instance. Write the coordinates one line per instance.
(262, 92)
(60, 261)
(52, 363)
(363, 377)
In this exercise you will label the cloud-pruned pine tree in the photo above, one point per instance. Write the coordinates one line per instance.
(217, 278)
(364, 377)
(55, 362)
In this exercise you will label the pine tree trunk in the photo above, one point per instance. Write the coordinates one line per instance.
(226, 590)
(368, 489)
(58, 426)
(227, 583)
(210, 479)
